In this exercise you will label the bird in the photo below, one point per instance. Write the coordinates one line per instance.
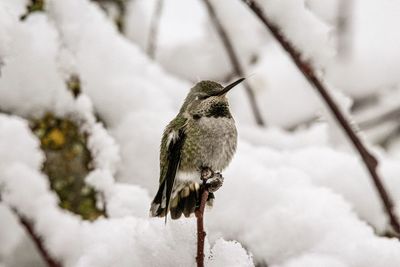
(202, 138)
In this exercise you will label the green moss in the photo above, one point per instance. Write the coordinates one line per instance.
(67, 163)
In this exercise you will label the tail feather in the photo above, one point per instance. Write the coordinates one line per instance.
(191, 203)
(157, 208)
(184, 200)
(177, 209)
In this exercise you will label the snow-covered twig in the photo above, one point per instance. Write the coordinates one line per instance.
(154, 28)
(206, 176)
(309, 73)
(37, 240)
(201, 234)
(237, 67)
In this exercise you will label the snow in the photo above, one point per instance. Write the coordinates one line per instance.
(370, 68)
(136, 80)
(282, 83)
(290, 198)
(225, 253)
(24, 149)
(10, 235)
(314, 261)
(18, 74)
(101, 145)
(104, 242)
(296, 216)
(293, 17)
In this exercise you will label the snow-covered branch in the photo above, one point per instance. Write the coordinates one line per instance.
(38, 241)
(306, 68)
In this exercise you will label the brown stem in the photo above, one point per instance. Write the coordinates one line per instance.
(237, 67)
(37, 240)
(309, 73)
(154, 28)
(201, 234)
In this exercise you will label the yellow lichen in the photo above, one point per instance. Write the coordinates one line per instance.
(67, 163)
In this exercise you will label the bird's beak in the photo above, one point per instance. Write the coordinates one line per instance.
(229, 87)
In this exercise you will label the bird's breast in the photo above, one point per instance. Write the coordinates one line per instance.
(210, 142)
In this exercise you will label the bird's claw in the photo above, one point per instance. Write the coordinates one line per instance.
(211, 180)
(215, 182)
(206, 173)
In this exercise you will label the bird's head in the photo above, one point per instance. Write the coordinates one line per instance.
(207, 98)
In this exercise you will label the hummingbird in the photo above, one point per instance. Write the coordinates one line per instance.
(201, 138)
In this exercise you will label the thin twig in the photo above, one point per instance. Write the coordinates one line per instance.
(201, 234)
(369, 160)
(154, 29)
(37, 240)
(237, 67)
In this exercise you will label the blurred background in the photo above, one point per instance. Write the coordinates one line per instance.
(86, 88)
(347, 41)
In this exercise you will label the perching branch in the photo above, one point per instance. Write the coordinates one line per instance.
(212, 181)
(237, 68)
(309, 73)
(201, 234)
(37, 240)
(154, 29)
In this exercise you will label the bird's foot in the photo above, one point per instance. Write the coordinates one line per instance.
(211, 180)
(215, 182)
(206, 173)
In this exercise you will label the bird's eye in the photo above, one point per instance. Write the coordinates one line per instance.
(201, 97)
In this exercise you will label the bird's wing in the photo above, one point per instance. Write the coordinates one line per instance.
(170, 156)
